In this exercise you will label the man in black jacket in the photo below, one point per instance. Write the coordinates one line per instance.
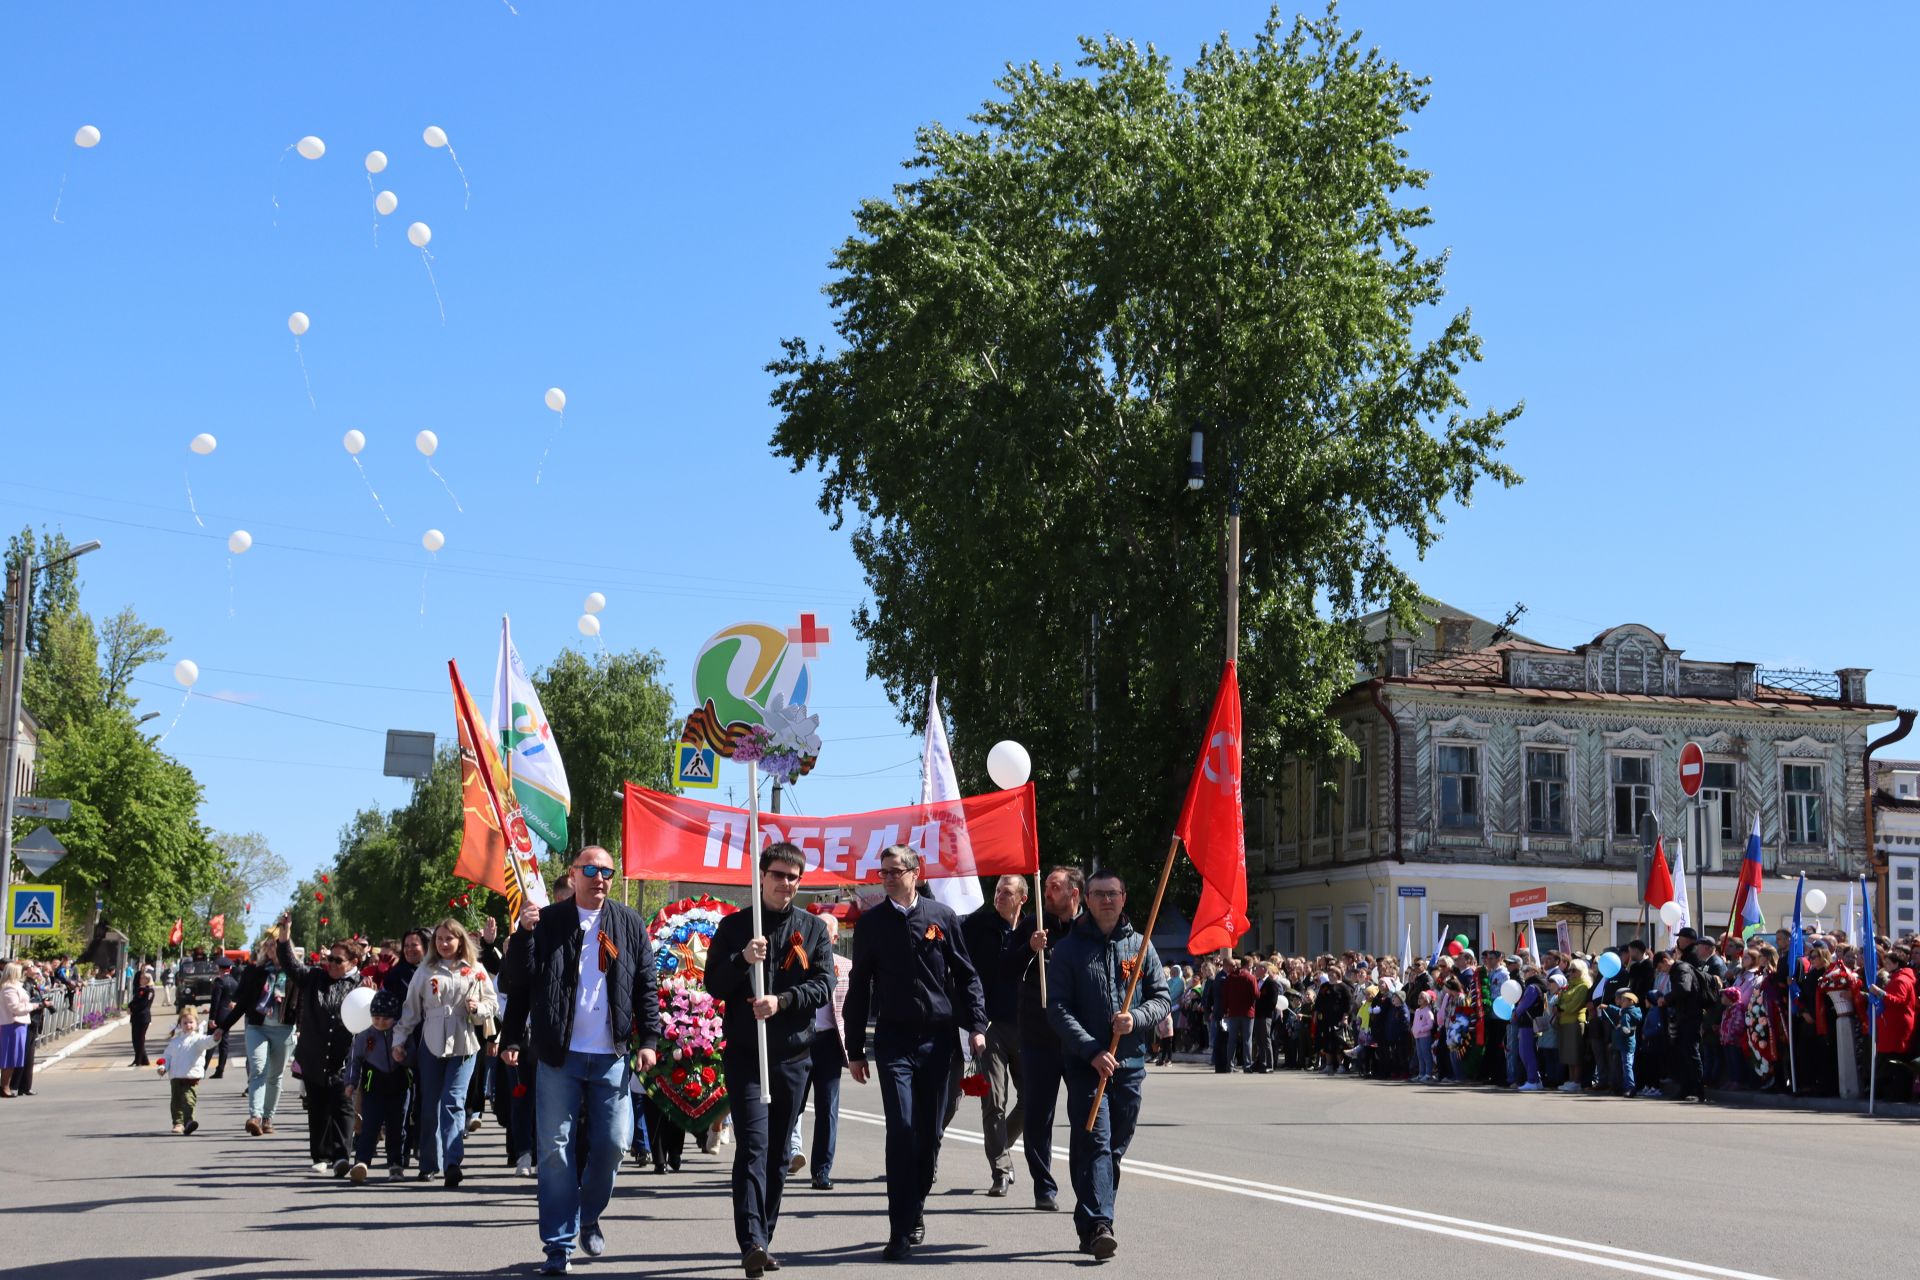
(580, 991)
(219, 1004)
(997, 937)
(795, 960)
(1041, 1067)
(1686, 1011)
(910, 967)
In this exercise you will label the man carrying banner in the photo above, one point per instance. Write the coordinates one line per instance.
(796, 957)
(583, 990)
(1041, 1067)
(1089, 976)
(910, 967)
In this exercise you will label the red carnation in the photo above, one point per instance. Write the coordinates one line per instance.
(693, 1089)
(519, 1091)
(707, 1074)
(679, 1074)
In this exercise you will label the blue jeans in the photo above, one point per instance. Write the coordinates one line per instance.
(1094, 1158)
(1624, 1049)
(1423, 1055)
(829, 1061)
(383, 1111)
(914, 1067)
(1040, 1074)
(443, 1111)
(268, 1047)
(593, 1087)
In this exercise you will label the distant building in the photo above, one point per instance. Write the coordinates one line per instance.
(1489, 764)
(1896, 838)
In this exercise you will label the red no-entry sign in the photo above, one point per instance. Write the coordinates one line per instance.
(1693, 769)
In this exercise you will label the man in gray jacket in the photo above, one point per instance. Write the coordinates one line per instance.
(1089, 974)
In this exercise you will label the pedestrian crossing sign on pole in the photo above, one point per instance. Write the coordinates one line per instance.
(695, 766)
(33, 909)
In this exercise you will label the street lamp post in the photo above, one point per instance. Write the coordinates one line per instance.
(20, 592)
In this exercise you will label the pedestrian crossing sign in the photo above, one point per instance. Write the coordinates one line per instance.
(695, 766)
(33, 909)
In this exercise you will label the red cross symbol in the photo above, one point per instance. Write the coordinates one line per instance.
(809, 636)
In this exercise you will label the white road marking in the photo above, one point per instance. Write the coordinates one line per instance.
(1599, 1255)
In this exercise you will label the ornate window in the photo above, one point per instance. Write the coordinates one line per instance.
(1547, 792)
(1457, 785)
(1632, 793)
(1357, 793)
(1803, 802)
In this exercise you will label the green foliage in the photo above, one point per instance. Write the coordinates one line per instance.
(1028, 330)
(61, 687)
(613, 718)
(56, 590)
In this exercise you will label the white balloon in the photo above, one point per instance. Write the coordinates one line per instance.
(355, 441)
(311, 147)
(556, 399)
(186, 671)
(419, 233)
(376, 161)
(1510, 991)
(203, 444)
(426, 442)
(589, 625)
(88, 136)
(356, 1011)
(1670, 915)
(298, 322)
(1816, 900)
(1009, 765)
(434, 136)
(238, 541)
(386, 202)
(433, 539)
(595, 602)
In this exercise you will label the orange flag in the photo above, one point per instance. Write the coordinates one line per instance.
(495, 848)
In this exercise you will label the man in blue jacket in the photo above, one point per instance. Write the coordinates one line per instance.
(1088, 978)
(911, 968)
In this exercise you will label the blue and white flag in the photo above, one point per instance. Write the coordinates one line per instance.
(1869, 954)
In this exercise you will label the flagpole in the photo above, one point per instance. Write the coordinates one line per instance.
(1139, 967)
(759, 929)
(466, 709)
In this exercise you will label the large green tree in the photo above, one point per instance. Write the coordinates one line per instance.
(1029, 328)
(614, 721)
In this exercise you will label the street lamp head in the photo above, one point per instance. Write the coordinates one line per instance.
(1196, 461)
(73, 554)
(151, 715)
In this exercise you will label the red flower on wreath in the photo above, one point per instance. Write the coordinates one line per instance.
(707, 1074)
(693, 1089)
(679, 1074)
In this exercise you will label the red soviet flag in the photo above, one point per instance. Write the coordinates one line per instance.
(179, 932)
(1213, 826)
(1659, 879)
(218, 927)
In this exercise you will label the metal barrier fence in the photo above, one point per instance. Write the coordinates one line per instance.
(99, 996)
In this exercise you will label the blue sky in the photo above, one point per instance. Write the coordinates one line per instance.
(1681, 236)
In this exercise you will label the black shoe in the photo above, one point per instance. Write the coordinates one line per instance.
(897, 1250)
(555, 1265)
(1101, 1243)
(592, 1240)
(216, 1075)
(192, 1125)
(773, 1263)
(1001, 1182)
(452, 1177)
(823, 1184)
(1046, 1204)
(919, 1233)
(754, 1261)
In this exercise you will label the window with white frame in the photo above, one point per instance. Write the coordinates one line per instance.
(1323, 810)
(1357, 815)
(1547, 791)
(1720, 792)
(1319, 931)
(1632, 793)
(1457, 778)
(1803, 802)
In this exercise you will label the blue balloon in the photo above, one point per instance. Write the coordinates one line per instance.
(1503, 1009)
(1609, 964)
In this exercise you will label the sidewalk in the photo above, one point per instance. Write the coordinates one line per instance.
(110, 1048)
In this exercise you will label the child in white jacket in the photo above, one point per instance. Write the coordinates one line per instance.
(183, 1065)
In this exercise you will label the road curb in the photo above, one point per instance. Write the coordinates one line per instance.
(81, 1043)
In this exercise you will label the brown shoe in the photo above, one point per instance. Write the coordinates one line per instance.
(266, 1126)
(255, 1127)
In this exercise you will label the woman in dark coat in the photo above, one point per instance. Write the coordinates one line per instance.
(321, 1050)
(140, 1011)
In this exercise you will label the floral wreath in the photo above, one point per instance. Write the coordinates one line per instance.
(687, 1083)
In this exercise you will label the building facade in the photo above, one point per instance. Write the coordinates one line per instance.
(1488, 768)
(1896, 839)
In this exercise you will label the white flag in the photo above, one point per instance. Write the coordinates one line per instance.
(519, 726)
(1680, 891)
(938, 784)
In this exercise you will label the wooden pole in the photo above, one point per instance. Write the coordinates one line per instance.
(1146, 940)
(1040, 926)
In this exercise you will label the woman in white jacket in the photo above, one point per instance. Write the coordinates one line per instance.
(449, 1000)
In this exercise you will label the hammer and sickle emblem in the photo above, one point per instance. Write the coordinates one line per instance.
(1219, 765)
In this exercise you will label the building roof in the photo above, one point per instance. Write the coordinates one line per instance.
(1764, 699)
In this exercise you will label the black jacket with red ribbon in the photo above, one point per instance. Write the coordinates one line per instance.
(799, 972)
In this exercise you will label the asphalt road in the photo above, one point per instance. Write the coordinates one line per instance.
(1234, 1176)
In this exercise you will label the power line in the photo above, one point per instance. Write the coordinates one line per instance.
(255, 706)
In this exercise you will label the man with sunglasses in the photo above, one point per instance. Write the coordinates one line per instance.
(795, 957)
(911, 968)
(580, 990)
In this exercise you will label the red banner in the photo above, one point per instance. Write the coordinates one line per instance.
(676, 838)
(218, 928)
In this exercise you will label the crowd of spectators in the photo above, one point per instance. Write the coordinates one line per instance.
(1699, 1015)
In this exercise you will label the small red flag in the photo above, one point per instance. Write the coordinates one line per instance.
(1659, 879)
(1213, 826)
(179, 932)
(218, 927)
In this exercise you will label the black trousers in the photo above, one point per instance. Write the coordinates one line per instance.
(23, 1078)
(220, 1063)
(914, 1066)
(665, 1139)
(329, 1121)
(762, 1123)
(1040, 1078)
(140, 1022)
(1687, 1066)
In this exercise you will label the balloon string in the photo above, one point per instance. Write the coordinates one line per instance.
(376, 211)
(372, 490)
(60, 195)
(190, 504)
(510, 9)
(468, 204)
(449, 488)
(551, 437)
(275, 195)
(303, 373)
(176, 718)
(427, 259)
(230, 586)
(423, 595)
